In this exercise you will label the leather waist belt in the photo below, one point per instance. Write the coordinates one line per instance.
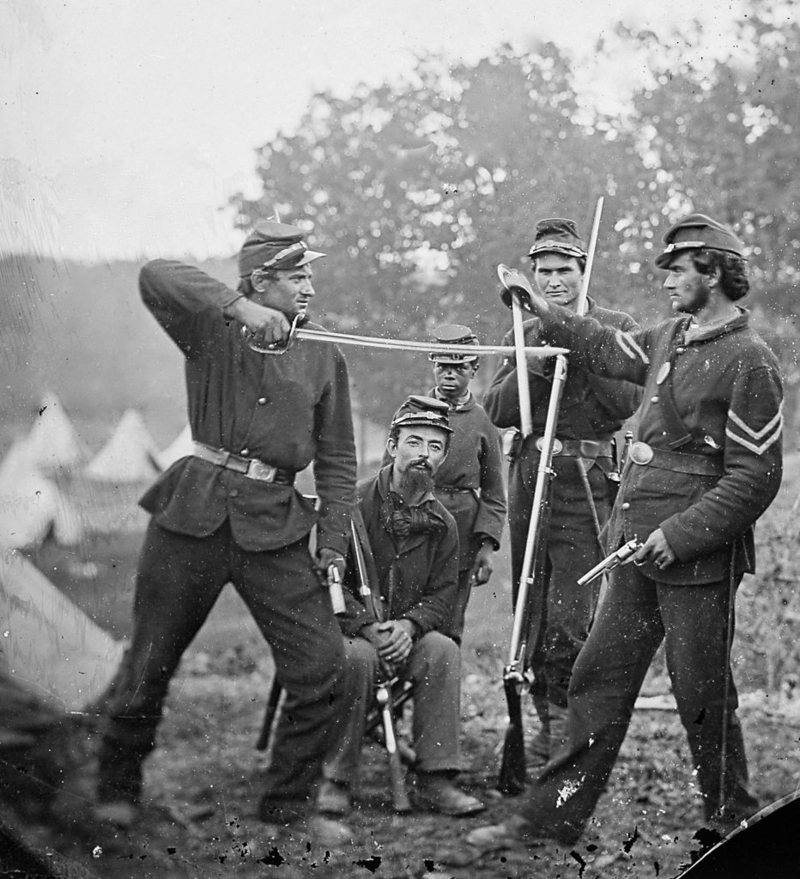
(579, 448)
(454, 489)
(699, 465)
(252, 468)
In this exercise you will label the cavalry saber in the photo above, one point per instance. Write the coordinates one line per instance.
(383, 687)
(392, 344)
(512, 767)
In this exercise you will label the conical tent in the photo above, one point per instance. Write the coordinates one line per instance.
(52, 441)
(179, 448)
(31, 505)
(130, 455)
(51, 644)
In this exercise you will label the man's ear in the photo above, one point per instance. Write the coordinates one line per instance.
(391, 448)
(259, 280)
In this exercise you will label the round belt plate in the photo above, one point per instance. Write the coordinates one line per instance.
(663, 372)
(557, 445)
(640, 453)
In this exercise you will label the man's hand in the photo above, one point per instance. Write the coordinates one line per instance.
(482, 568)
(520, 287)
(324, 559)
(655, 550)
(268, 324)
(393, 639)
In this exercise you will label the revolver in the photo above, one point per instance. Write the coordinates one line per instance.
(618, 557)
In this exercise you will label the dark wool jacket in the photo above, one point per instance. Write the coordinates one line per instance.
(288, 410)
(417, 578)
(474, 466)
(727, 391)
(592, 407)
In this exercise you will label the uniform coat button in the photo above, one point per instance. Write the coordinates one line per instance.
(262, 401)
(626, 506)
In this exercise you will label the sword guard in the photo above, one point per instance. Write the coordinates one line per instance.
(274, 347)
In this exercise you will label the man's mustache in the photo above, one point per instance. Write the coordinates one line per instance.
(422, 465)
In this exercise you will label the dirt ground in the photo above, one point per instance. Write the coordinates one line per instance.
(204, 780)
(203, 786)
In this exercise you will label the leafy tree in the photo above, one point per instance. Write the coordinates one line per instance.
(418, 190)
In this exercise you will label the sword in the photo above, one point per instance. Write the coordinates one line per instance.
(298, 332)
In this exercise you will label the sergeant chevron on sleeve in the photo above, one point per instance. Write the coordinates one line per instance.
(706, 463)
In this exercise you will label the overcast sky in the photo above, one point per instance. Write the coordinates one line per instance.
(125, 125)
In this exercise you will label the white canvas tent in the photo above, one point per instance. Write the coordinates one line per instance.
(52, 441)
(130, 455)
(179, 448)
(31, 505)
(49, 643)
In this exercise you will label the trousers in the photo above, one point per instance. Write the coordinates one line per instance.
(435, 667)
(560, 610)
(635, 616)
(178, 581)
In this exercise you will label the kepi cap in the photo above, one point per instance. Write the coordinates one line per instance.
(557, 235)
(454, 334)
(698, 232)
(419, 411)
(274, 245)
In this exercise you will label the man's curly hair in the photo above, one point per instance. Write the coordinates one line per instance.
(732, 269)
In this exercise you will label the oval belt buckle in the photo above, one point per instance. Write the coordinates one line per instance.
(640, 453)
(558, 446)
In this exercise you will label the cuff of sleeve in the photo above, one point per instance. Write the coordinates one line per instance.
(487, 538)
(420, 628)
(684, 550)
(337, 542)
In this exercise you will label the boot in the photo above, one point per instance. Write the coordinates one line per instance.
(559, 732)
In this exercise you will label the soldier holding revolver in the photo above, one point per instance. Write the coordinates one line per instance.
(706, 464)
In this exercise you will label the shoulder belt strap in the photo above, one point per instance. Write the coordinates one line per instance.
(678, 435)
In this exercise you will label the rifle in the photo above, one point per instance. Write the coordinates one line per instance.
(383, 686)
(512, 775)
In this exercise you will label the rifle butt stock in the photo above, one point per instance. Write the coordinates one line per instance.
(513, 775)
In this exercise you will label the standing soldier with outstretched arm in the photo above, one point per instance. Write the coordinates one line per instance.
(592, 410)
(229, 513)
(706, 464)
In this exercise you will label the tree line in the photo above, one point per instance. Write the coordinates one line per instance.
(419, 188)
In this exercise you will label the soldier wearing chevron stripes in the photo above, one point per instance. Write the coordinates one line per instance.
(706, 464)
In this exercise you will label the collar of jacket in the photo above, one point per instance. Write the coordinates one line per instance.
(464, 404)
(737, 323)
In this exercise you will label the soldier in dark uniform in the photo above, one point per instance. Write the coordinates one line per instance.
(414, 541)
(592, 410)
(706, 464)
(470, 481)
(229, 513)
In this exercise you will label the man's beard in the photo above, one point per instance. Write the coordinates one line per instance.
(416, 479)
(699, 300)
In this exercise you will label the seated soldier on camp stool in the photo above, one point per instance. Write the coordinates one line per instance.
(414, 542)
